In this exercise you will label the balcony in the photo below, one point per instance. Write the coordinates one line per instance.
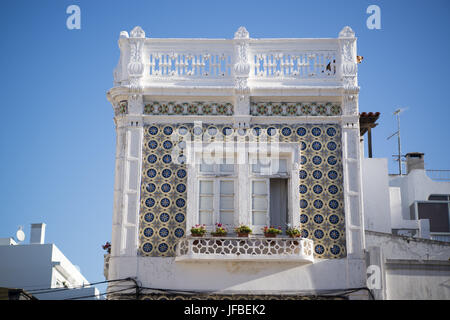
(243, 63)
(254, 248)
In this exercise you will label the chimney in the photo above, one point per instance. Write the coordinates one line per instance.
(414, 160)
(37, 233)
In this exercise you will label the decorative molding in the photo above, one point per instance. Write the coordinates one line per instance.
(295, 109)
(188, 108)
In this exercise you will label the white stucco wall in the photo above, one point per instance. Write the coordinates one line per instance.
(412, 268)
(38, 266)
(247, 277)
(417, 186)
(377, 211)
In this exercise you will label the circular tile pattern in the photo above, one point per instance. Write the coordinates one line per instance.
(332, 175)
(151, 187)
(319, 249)
(334, 219)
(318, 204)
(333, 204)
(256, 131)
(302, 174)
(303, 160)
(168, 130)
(302, 189)
(317, 189)
(331, 146)
(181, 188)
(286, 131)
(167, 158)
(303, 218)
(318, 218)
(331, 132)
(179, 217)
(317, 160)
(167, 144)
(304, 233)
(163, 232)
(178, 232)
(333, 189)
(152, 158)
(166, 173)
(316, 131)
(153, 130)
(301, 131)
(316, 145)
(148, 232)
(150, 202)
(153, 144)
(163, 247)
(335, 249)
(303, 204)
(318, 234)
(302, 145)
(180, 202)
(147, 247)
(164, 217)
(165, 187)
(332, 160)
(317, 174)
(151, 173)
(149, 217)
(334, 234)
(181, 173)
(165, 202)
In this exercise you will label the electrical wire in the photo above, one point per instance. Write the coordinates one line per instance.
(101, 294)
(45, 290)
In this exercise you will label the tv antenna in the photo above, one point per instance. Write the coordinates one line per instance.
(399, 155)
(20, 235)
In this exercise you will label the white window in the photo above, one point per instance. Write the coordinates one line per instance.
(217, 185)
(260, 202)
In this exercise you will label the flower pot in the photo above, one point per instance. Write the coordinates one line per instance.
(218, 234)
(270, 235)
(242, 235)
(196, 235)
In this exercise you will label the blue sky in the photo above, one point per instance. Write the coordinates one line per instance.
(57, 138)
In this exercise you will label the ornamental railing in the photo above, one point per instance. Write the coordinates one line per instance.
(147, 62)
(245, 249)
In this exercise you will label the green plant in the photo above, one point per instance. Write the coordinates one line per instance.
(198, 230)
(243, 229)
(220, 230)
(271, 230)
(293, 232)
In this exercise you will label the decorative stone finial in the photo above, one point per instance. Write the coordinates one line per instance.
(137, 32)
(123, 34)
(347, 32)
(241, 33)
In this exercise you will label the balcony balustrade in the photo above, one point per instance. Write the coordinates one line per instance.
(254, 248)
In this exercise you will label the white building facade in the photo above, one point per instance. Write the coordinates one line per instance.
(241, 131)
(42, 269)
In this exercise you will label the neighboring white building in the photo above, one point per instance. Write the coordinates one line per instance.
(182, 104)
(42, 269)
(407, 231)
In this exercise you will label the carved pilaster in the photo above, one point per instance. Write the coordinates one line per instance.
(349, 71)
(241, 72)
(135, 69)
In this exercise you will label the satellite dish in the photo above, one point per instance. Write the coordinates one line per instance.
(20, 235)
